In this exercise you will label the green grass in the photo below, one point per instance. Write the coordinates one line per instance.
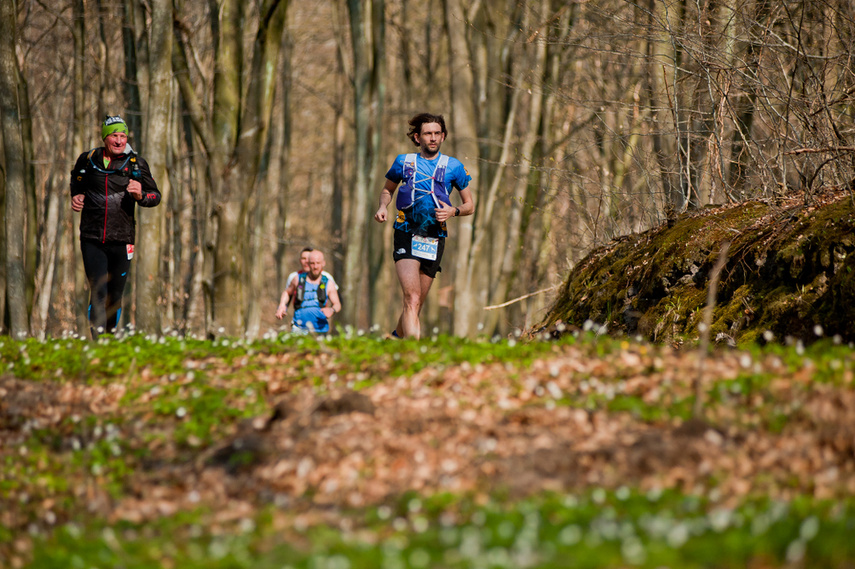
(624, 528)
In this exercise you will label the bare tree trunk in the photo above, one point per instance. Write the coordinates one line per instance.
(463, 125)
(269, 230)
(539, 245)
(254, 143)
(655, 97)
(279, 181)
(174, 251)
(199, 290)
(16, 192)
(498, 107)
(48, 244)
(744, 51)
(258, 118)
(3, 279)
(77, 140)
(228, 187)
(104, 62)
(150, 226)
(511, 252)
(199, 307)
(237, 129)
(132, 12)
(367, 37)
(31, 249)
(339, 175)
(375, 244)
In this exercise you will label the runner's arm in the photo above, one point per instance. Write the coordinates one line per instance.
(146, 191)
(468, 205)
(287, 294)
(385, 199)
(335, 303)
(77, 191)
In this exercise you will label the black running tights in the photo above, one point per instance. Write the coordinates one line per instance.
(106, 266)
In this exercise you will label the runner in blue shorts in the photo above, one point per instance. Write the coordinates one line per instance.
(427, 179)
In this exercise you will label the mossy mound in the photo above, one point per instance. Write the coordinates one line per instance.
(789, 271)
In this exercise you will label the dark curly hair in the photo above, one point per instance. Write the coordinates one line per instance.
(421, 119)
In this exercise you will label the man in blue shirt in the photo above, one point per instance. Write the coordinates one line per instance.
(315, 298)
(428, 178)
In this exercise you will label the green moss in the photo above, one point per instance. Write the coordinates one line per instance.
(789, 268)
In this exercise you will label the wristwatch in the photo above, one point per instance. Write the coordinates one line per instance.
(456, 212)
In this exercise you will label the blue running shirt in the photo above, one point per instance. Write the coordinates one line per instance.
(421, 218)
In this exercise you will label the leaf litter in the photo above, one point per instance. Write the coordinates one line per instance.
(330, 438)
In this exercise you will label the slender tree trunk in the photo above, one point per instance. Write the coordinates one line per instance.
(228, 186)
(52, 223)
(270, 221)
(491, 228)
(743, 51)
(463, 126)
(280, 182)
(511, 252)
(77, 140)
(104, 63)
(3, 279)
(16, 192)
(255, 142)
(540, 243)
(48, 244)
(656, 99)
(173, 251)
(150, 225)
(200, 289)
(375, 245)
(667, 55)
(340, 175)
(31, 255)
(367, 37)
(131, 14)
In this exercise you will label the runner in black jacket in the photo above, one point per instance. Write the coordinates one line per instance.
(106, 185)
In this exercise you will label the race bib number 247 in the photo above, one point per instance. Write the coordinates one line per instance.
(425, 247)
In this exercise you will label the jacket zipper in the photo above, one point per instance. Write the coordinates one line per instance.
(106, 205)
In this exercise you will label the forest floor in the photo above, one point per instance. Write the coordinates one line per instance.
(136, 433)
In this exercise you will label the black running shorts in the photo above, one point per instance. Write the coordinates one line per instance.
(404, 250)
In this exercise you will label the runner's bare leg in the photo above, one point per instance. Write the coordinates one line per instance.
(415, 286)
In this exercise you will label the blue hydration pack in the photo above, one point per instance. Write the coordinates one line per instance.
(438, 189)
(301, 290)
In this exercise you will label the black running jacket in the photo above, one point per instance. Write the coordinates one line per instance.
(108, 208)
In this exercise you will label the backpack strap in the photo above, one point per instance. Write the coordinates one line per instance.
(322, 291)
(441, 167)
(410, 168)
(301, 289)
(438, 176)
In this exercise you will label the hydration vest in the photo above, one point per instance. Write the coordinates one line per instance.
(438, 188)
(301, 290)
(130, 168)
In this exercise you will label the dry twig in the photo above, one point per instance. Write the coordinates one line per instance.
(703, 348)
